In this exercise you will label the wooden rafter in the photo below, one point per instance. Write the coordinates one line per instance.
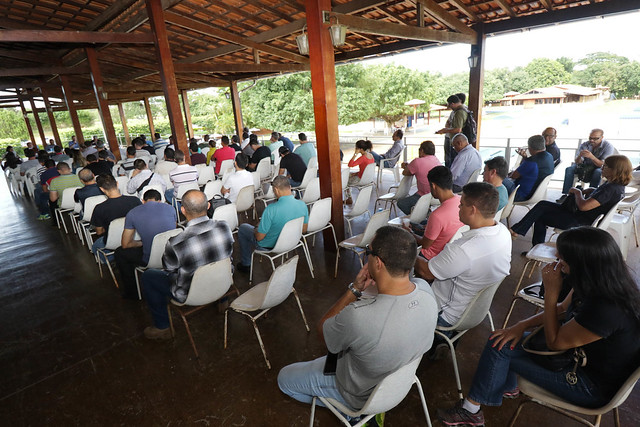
(239, 68)
(110, 13)
(442, 15)
(506, 7)
(462, 7)
(547, 4)
(42, 71)
(50, 36)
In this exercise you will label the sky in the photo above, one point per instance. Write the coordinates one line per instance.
(614, 33)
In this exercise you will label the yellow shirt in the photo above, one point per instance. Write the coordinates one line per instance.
(210, 154)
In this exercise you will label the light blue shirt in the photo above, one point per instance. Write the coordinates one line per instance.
(467, 161)
(306, 151)
(276, 215)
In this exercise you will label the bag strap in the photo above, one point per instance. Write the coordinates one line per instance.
(539, 352)
(144, 183)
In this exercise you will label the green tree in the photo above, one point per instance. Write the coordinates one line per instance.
(544, 72)
(353, 87)
(449, 85)
(519, 81)
(12, 124)
(567, 63)
(606, 69)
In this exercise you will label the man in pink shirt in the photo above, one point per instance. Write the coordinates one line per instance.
(444, 221)
(420, 168)
(223, 153)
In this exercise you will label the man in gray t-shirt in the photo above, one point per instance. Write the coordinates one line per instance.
(372, 335)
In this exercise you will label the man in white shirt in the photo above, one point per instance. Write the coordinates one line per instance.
(238, 180)
(466, 162)
(142, 177)
(164, 167)
(181, 175)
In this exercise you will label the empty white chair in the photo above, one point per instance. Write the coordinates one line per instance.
(67, 204)
(225, 166)
(418, 213)
(312, 192)
(310, 174)
(155, 256)
(360, 206)
(344, 175)
(212, 188)
(205, 175)
(357, 244)
(402, 192)
(264, 169)
(266, 295)
(114, 238)
(319, 220)
(228, 214)
(246, 200)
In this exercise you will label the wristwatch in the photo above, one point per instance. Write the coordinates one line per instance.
(354, 291)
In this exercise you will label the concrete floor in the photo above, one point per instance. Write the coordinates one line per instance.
(72, 351)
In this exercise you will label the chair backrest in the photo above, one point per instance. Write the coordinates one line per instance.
(205, 174)
(280, 284)
(344, 174)
(156, 187)
(89, 205)
(378, 220)
(289, 236)
(606, 220)
(245, 198)
(313, 162)
(404, 187)
(312, 191)
(391, 162)
(228, 214)
(474, 175)
(478, 308)
(421, 209)
(157, 247)
(369, 174)
(193, 185)
(540, 193)
(392, 389)
(210, 282)
(122, 183)
(204, 150)
(361, 204)
(212, 188)
(226, 165)
(506, 211)
(458, 234)
(264, 168)
(114, 238)
(226, 174)
(167, 180)
(67, 201)
(320, 214)
(257, 186)
(310, 174)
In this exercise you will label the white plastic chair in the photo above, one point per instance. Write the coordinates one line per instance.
(319, 220)
(368, 178)
(84, 225)
(401, 192)
(474, 176)
(212, 188)
(310, 174)
(67, 204)
(266, 295)
(288, 240)
(538, 195)
(418, 213)
(228, 214)
(156, 187)
(313, 162)
(155, 256)
(385, 396)
(246, 200)
(312, 192)
(390, 163)
(544, 398)
(508, 208)
(344, 175)
(122, 184)
(205, 174)
(473, 315)
(114, 239)
(210, 283)
(193, 185)
(360, 206)
(357, 244)
(225, 166)
(264, 169)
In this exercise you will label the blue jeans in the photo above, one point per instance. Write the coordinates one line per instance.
(100, 244)
(42, 200)
(571, 171)
(248, 242)
(407, 203)
(509, 184)
(545, 214)
(304, 380)
(156, 288)
(497, 371)
(377, 157)
(449, 152)
(294, 183)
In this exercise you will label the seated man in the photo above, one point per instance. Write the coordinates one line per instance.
(549, 135)
(127, 164)
(90, 188)
(445, 220)
(495, 172)
(59, 155)
(531, 171)
(223, 153)
(590, 158)
(275, 143)
(151, 218)
(98, 167)
(274, 217)
(235, 143)
(197, 158)
(32, 161)
(58, 184)
(396, 148)
(163, 167)
(159, 142)
(141, 177)
(238, 180)
(116, 206)
(372, 336)
(202, 242)
(419, 168)
(181, 175)
(306, 150)
(465, 163)
(259, 152)
(481, 257)
(142, 149)
(293, 165)
(41, 192)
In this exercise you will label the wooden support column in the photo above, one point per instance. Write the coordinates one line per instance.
(26, 121)
(167, 75)
(235, 106)
(325, 110)
(36, 117)
(52, 119)
(476, 80)
(101, 99)
(187, 112)
(147, 108)
(125, 128)
(68, 99)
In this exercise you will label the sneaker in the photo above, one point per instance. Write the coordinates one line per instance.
(243, 268)
(153, 333)
(562, 198)
(458, 416)
(513, 394)
(44, 217)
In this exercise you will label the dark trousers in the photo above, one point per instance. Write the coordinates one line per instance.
(545, 214)
(157, 292)
(449, 152)
(127, 260)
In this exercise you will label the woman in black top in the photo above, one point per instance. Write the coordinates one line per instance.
(600, 314)
(589, 203)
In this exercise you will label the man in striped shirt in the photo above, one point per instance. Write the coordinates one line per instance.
(127, 165)
(181, 175)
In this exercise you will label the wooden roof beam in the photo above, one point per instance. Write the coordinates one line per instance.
(547, 4)
(42, 71)
(50, 36)
(442, 15)
(240, 68)
(506, 7)
(462, 7)
(25, 56)
(110, 13)
(381, 28)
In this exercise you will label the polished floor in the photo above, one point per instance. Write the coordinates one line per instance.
(72, 351)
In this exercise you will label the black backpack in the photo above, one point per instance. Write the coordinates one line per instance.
(470, 128)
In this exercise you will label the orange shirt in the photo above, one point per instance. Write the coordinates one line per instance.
(362, 163)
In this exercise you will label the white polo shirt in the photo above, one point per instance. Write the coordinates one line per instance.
(478, 259)
(236, 182)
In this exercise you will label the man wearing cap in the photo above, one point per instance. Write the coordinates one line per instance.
(294, 166)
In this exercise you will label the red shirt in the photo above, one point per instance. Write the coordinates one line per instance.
(222, 154)
(361, 162)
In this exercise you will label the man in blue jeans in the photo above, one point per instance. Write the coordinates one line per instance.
(274, 217)
(202, 242)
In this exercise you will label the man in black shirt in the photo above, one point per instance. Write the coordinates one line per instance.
(260, 152)
(98, 167)
(294, 166)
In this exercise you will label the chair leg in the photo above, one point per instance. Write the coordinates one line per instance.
(335, 274)
(137, 275)
(113, 276)
(493, 328)
(308, 256)
(512, 422)
(635, 228)
(313, 411)
(171, 328)
(454, 360)
(186, 325)
(251, 269)
(423, 400)
(304, 318)
(616, 417)
(99, 262)
(226, 315)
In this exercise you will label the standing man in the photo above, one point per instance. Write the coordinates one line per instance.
(202, 242)
(305, 149)
(495, 172)
(453, 126)
(372, 336)
(293, 165)
(532, 170)
(419, 168)
(589, 160)
(467, 161)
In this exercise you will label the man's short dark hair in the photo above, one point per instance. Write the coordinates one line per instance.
(29, 152)
(140, 164)
(283, 150)
(483, 196)
(106, 181)
(152, 195)
(170, 153)
(86, 175)
(235, 139)
(63, 166)
(195, 202)
(156, 135)
(91, 158)
(281, 182)
(242, 160)
(253, 139)
(499, 164)
(441, 176)
(275, 135)
(245, 135)
(396, 248)
(131, 151)
(103, 155)
(49, 163)
(225, 139)
(193, 146)
(179, 156)
(42, 154)
(302, 136)
(462, 97)
(137, 142)
(57, 149)
(453, 99)
(428, 148)
(398, 133)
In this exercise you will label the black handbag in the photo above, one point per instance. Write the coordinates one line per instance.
(215, 203)
(554, 360)
(569, 204)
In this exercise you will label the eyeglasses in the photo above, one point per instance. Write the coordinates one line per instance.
(370, 251)
(594, 138)
(548, 134)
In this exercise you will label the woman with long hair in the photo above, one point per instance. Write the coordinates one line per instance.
(362, 158)
(78, 160)
(589, 203)
(600, 314)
